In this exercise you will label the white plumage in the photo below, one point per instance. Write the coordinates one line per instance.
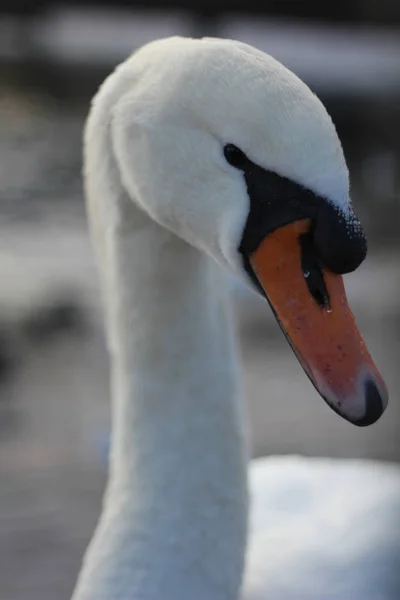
(166, 212)
(324, 529)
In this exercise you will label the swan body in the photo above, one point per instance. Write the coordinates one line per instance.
(323, 529)
(167, 212)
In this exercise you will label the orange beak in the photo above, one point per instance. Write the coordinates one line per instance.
(312, 309)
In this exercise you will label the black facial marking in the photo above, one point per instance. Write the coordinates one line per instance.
(312, 271)
(275, 201)
(235, 157)
(339, 240)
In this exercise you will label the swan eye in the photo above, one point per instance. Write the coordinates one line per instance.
(235, 156)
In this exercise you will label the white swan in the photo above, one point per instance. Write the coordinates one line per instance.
(202, 154)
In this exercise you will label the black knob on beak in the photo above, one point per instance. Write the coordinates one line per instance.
(339, 239)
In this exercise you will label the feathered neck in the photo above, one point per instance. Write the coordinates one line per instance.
(175, 510)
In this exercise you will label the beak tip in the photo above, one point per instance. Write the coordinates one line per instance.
(376, 401)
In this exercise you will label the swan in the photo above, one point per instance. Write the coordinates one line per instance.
(204, 157)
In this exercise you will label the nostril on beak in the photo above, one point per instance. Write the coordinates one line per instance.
(375, 404)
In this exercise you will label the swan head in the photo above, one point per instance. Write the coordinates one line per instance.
(222, 145)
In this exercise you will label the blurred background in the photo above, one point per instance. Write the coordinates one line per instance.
(54, 397)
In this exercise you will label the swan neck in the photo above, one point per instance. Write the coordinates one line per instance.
(174, 366)
(177, 470)
(174, 517)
